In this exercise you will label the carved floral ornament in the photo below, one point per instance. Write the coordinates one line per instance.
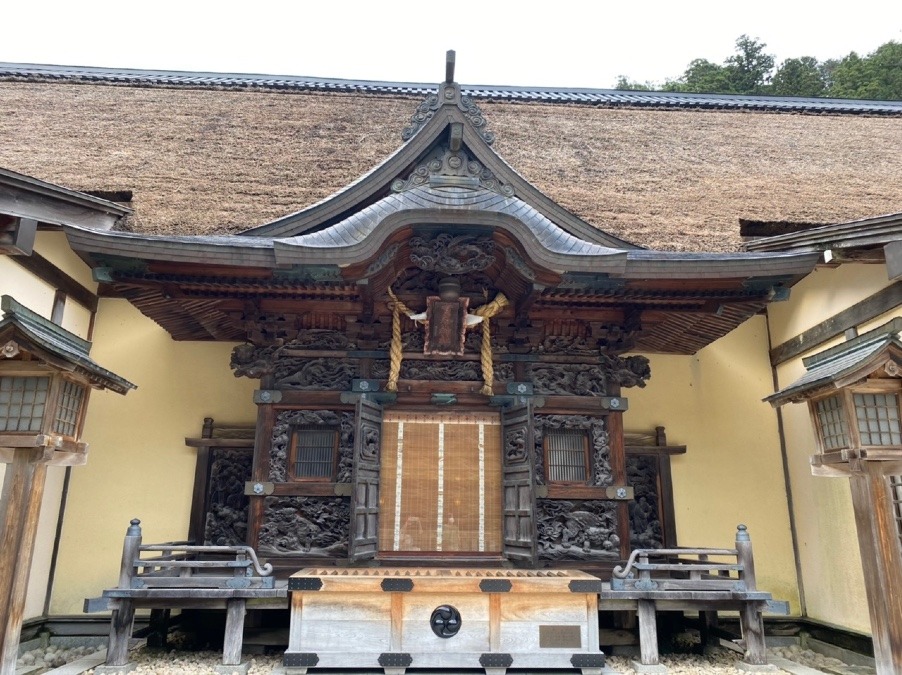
(449, 94)
(454, 164)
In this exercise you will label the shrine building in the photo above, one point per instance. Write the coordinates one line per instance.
(612, 321)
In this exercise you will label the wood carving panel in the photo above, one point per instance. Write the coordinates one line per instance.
(256, 361)
(307, 526)
(226, 520)
(569, 379)
(281, 438)
(315, 374)
(252, 361)
(515, 450)
(414, 341)
(646, 530)
(632, 371)
(423, 282)
(577, 530)
(452, 371)
(328, 340)
(599, 444)
(370, 443)
(572, 379)
(572, 345)
(450, 254)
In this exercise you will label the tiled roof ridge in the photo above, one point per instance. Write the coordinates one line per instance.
(588, 96)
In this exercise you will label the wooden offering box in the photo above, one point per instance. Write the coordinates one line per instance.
(443, 618)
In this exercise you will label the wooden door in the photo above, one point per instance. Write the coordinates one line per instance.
(518, 483)
(440, 484)
(365, 495)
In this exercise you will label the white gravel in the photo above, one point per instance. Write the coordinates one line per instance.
(53, 656)
(812, 659)
(721, 662)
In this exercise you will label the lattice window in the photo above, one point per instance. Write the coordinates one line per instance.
(22, 401)
(878, 419)
(832, 422)
(314, 451)
(895, 491)
(566, 455)
(69, 409)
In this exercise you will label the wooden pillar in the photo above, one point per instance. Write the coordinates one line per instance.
(123, 618)
(20, 507)
(750, 618)
(201, 494)
(260, 467)
(648, 633)
(881, 560)
(234, 632)
(614, 425)
(121, 624)
(709, 627)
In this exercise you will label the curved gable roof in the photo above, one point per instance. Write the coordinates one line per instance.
(445, 119)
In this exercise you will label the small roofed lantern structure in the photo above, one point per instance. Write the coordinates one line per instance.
(45, 378)
(854, 394)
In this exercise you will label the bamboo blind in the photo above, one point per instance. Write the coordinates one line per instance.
(441, 483)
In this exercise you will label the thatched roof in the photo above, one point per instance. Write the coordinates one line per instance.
(206, 161)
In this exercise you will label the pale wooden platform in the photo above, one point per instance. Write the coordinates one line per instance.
(381, 617)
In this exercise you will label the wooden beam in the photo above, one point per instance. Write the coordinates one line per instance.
(58, 209)
(881, 560)
(49, 273)
(893, 252)
(17, 237)
(883, 301)
(20, 508)
(201, 481)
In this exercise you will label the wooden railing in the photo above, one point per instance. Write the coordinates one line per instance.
(184, 575)
(705, 580)
(651, 569)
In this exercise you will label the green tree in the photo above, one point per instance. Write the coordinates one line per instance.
(875, 76)
(827, 69)
(749, 68)
(850, 77)
(624, 83)
(803, 76)
(702, 76)
(749, 71)
(745, 72)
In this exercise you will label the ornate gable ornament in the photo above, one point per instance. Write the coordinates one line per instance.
(449, 168)
(449, 94)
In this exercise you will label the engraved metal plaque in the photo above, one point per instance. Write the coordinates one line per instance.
(553, 636)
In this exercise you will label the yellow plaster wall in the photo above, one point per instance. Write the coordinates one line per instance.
(828, 546)
(26, 288)
(138, 464)
(54, 246)
(37, 295)
(732, 471)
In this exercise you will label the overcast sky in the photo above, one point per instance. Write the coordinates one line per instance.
(557, 43)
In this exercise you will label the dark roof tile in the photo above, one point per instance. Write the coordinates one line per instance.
(604, 97)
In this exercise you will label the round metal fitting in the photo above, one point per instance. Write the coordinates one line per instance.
(445, 621)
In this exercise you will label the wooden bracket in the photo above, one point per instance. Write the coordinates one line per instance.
(17, 238)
